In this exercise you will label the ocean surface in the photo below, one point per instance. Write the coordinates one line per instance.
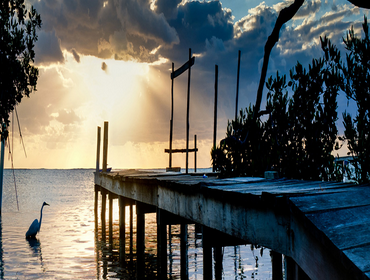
(71, 246)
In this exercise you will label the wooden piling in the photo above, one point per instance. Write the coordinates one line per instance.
(110, 196)
(105, 147)
(140, 241)
(187, 118)
(207, 254)
(171, 121)
(184, 267)
(195, 153)
(122, 229)
(161, 245)
(218, 262)
(277, 265)
(237, 89)
(103, 210)
(131, 229)
(98, 140)
(215, 114)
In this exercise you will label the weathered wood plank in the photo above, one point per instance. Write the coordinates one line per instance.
(360, 257)
(174, 151)
(183, 68)
(359, 196)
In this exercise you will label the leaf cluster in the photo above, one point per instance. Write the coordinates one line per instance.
(18, 75)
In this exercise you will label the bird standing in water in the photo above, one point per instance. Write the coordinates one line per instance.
(36, 225)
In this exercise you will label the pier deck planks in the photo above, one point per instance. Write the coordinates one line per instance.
(337, 214)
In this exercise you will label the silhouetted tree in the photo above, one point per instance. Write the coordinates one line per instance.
(357, 87)
(18, 75)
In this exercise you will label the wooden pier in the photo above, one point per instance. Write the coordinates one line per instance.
(322, 228)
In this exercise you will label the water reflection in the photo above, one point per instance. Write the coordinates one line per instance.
(117, 259)
(1, 251)
(35, 246)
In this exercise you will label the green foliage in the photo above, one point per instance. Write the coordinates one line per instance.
(357, 87)
(299, 135)
(18, 75)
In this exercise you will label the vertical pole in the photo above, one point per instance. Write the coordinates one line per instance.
(195, 153)
(122, 229)
(215, 115)
(103, 209)
(237, 89)
(277, 268)
(110, 196)
(218, 262)
(291, 271)
(187, 117)
(171, 121)
(207, 254)
(3, 129)
(97, 153)
(96, 206)
(184, 251)
(140, 241)
(162, 245)
(105, 147)
(131, 229)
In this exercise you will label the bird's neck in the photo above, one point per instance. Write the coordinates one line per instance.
(41, 215)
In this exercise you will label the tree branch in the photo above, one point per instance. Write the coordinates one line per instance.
(285, 15)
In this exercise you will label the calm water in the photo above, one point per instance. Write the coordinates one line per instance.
(68, 247)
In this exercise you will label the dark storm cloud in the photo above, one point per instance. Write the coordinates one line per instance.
(48, 48)
(76, 56)
(127, 29)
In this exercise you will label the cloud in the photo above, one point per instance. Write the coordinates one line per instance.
(67, 117)
(127, 29)
(76, 56)
(104, 66)
(47, 48)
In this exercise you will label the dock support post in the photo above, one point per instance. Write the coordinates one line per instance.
(218, 262)
(207, 254)
(122, 229)
(140, 241)
(110, 196)
(131, 229)
(195, 153)
(215, 115)
(277, 267)
(96, 199)
(162, 245)
(103, 210)
(171, 121)
(291, 270)
(105, 147)
(184, 251)
(97, 154)
(187, 118)
(237, 89)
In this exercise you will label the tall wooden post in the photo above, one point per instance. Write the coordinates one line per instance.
(207, 254)
(122, 229)
(195, 153)
(215, 114)
(161, 245)
(110, 196)
(171, 121)
(277, 265)
(131, 229)
(218, 262)
(237, 89)
(187, 117)
(184, 271)
(98, 140)
(103, 210)
(105, 147)
(140, 241)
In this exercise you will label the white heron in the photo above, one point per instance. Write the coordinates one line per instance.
(36, 225)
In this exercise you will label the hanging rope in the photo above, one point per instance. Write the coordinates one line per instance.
(11, 157)
(20, 132)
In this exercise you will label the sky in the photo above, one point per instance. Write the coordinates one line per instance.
(111, 61)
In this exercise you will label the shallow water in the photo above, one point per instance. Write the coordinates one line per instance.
(69, 247)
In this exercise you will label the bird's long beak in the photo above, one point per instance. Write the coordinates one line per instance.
(47, 204)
